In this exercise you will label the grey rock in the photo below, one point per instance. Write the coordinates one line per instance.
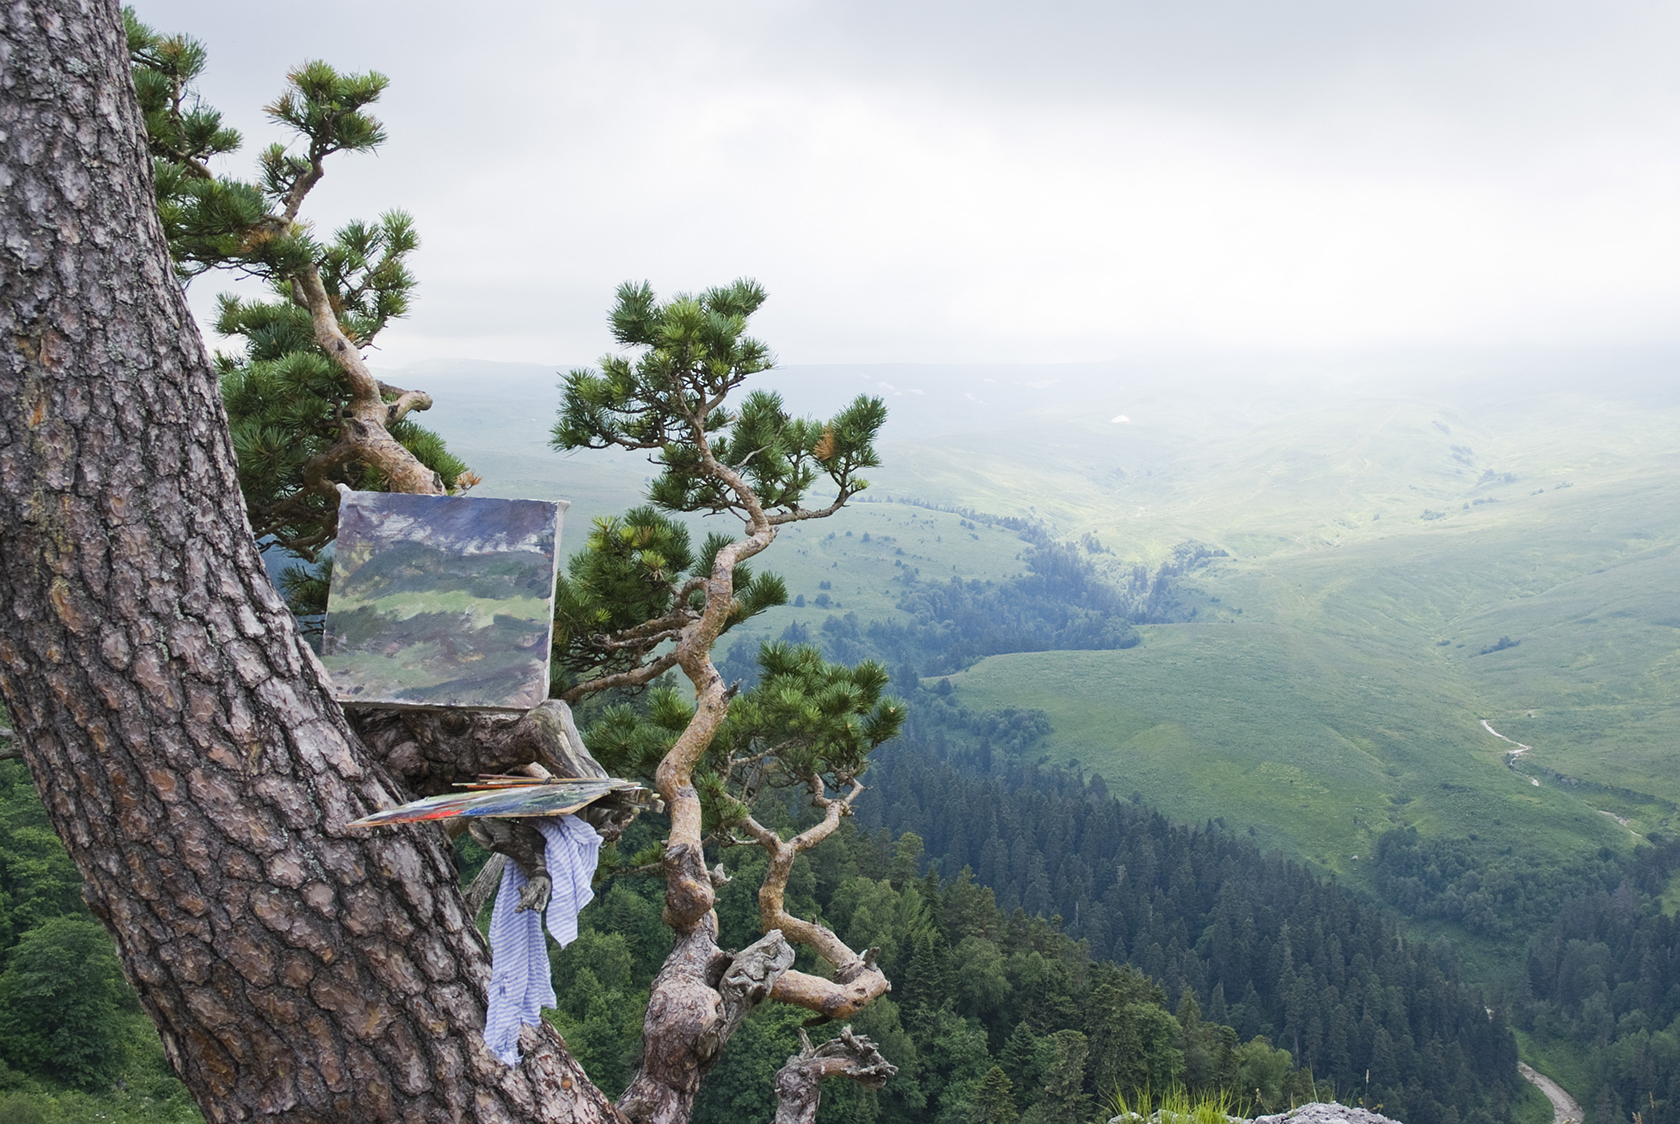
(1320, 1113)
(1316, 1113)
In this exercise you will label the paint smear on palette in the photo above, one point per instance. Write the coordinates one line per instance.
(524, 800)
(441, 601)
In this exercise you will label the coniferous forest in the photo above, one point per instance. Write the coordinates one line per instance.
(1252, 940)
(1606, 976)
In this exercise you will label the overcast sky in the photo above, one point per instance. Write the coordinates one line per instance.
(978, 182)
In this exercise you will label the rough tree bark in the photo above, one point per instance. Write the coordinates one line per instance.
(181, 734)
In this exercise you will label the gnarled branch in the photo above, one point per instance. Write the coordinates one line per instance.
(699, 998)
(405, 401)
(748, 981)
(524, 844)
(799, 514)
(857, 981)
(431, 750)
(799, 1082)
(362, 424)
(635, 677)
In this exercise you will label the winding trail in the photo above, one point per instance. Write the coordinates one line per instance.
(1511, 763)
(1564, 1108)
(1511, 757)
(1515, 753)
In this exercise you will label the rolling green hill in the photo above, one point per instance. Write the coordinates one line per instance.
(1379, 549)
(1401, 567)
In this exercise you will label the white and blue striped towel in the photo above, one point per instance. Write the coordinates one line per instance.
(520, 983)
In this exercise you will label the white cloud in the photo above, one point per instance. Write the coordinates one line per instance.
(1071, 182)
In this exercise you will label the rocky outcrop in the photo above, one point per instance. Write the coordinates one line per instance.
(1320, 1113)
(1316, 1113)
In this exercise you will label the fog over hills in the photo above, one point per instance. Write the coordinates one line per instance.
(1389, 522)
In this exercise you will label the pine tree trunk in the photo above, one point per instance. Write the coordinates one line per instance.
(181, 734)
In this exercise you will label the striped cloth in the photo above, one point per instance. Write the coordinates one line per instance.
(520, 983)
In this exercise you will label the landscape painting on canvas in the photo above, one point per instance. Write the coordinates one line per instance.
(442, 600)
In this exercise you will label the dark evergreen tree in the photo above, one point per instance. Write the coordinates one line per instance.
(995, 1102)
(1023, 1058)
(928, 978)
(1063, 1098)
(59, 997)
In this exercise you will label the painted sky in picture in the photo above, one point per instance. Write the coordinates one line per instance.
(442, 600)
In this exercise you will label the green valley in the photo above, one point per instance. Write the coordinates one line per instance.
(1399, 568)
(1425, 640)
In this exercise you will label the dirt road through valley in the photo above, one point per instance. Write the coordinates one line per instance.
(1564, 1108)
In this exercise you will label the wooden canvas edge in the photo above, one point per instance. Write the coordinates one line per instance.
(560, 509)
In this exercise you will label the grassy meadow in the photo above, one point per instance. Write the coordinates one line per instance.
(1335, 677)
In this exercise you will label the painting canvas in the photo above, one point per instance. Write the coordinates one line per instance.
(442, 601)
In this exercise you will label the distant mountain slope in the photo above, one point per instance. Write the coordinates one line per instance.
(1403, 565)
